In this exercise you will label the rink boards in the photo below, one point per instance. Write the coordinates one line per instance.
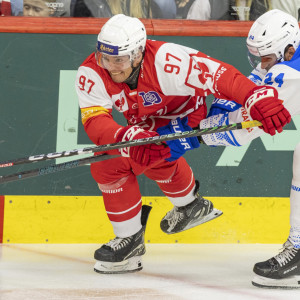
(39, 114)
(82, 219)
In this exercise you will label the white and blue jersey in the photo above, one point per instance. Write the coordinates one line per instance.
(284, 76)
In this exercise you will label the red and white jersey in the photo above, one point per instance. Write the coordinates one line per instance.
(173, 82)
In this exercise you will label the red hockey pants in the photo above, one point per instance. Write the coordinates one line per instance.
(117, 180)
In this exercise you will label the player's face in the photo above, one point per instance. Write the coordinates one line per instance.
(118, 67)
(268, 61)
(36, 8)
(120, 75)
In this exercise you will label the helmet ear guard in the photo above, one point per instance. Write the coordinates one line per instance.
(138, 53)
(271, 33)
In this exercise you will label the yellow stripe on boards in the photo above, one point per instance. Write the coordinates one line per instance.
(71, 219)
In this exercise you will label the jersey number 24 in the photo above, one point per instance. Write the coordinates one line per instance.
(278, 79)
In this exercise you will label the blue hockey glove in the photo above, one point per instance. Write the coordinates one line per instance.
(219, 115)
(180, 146)
(222, 106)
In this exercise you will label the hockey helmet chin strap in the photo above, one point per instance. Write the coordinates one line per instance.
(132, 80)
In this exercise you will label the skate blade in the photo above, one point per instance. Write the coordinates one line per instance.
(292, 282)
(214, 214)
(133, 264)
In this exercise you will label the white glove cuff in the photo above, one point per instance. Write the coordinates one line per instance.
(128, 136)
(264, 92)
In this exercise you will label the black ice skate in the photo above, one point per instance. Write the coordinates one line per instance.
(123, 255)
(182, 218)
(280, 271)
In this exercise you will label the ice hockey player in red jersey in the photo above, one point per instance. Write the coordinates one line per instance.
(151, 83)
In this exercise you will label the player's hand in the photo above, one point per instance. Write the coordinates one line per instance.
(179, 146)
(144, 155)
(263, 105)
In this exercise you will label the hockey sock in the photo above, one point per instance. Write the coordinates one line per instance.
(294, 236)
(123, 203)
(295, 200)
(180, 187)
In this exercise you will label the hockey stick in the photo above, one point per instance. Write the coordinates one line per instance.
(55, 168)
(84, 161)
(156, 139)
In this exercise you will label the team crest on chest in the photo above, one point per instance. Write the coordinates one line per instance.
(120, 102)
(150, 98)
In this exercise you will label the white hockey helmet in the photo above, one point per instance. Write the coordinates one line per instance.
(271, 33)
(121, 36)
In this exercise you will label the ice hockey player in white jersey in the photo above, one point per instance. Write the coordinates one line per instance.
(273, 44)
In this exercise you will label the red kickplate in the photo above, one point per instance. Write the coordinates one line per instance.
(1, 218)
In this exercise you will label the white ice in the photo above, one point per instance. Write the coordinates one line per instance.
(171, 272)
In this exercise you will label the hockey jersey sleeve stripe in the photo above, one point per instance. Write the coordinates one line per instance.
(89, 112)
(254, 78)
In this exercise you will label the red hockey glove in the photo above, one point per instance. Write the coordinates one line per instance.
(263, 105)
(143, 155)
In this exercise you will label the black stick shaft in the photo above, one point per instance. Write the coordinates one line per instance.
(156, 139)
(55, 168)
